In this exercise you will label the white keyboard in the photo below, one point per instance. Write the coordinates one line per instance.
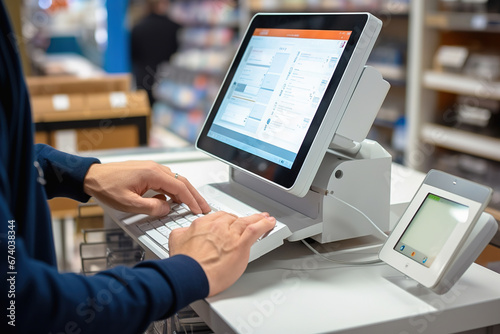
(153, 232)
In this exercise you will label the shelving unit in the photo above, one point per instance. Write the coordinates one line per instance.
(388, 56)
(188, 84)
(437, 138)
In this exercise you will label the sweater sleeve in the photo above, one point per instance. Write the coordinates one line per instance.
(63, 173)
(119, 300)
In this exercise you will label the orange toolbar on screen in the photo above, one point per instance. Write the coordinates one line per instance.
(303, 33)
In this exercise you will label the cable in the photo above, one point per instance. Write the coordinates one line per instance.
(382, 233)
(339, 261)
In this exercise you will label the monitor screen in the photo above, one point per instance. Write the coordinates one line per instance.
(271, 108)
(276, 91)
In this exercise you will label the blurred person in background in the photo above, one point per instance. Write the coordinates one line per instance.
(152, 41)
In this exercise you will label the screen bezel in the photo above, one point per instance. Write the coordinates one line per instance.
(277, 174)
(444, 185)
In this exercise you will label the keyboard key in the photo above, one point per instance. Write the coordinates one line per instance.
(134, 219)
(191, 217)
(172, 225)
(158, 237)
(181, 211)
(183, 221)
(145, 227)
(157, 223)
(154, 247)
(166, 220)
(175, 216)
(164, 230)
(187, 223)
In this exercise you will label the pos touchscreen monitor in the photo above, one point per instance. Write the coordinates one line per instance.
(285, 94)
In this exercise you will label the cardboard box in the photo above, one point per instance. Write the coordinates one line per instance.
(41, 137)
(42, 104)
(134, 103)
(96, 138)
(50, 85)
(91, 106)
(76, 115)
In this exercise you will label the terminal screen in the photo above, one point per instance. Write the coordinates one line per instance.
(276, 90)
(430, 228)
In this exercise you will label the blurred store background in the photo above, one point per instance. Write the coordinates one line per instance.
(441, 57)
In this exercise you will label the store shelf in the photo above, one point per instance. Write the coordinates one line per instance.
(392, 7)
(188, 84)
(388, 55)
(461, 141)
(484, 22)
(461, 84)
(391, 73)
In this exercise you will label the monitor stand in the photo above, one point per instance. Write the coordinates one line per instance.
(347, 189)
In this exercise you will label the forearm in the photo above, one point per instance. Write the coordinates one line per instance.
(120, 300)
(63, 173)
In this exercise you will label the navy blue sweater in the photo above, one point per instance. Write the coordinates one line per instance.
(35, 297)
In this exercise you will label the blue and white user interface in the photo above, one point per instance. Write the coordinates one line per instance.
(276, 91)
(430, 228)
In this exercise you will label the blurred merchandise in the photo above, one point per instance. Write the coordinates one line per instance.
(484, 66)
(476, 115)
(203, 60)
(477, 63)
(186, 87)
(465, 5)
(202, 37)
(388, 57)
(476, 169)
(394, 6)
(450, 58)
(63, 64)
(185, 124)
(63, 26)
(205, 12)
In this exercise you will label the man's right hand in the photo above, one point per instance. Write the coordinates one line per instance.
(220, 242)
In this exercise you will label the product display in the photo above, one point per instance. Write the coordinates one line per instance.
(188, 84)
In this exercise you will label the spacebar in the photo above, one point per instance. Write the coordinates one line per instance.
(153, 246)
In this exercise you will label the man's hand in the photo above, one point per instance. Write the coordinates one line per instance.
(122, 184)
(220, 242)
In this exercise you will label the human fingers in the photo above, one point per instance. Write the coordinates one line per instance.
(175, 188)
(254, 231)
(210, 230)
(180, 196)
(153, 206)
(219, 219)
(217, 216)
(241, 223)
(205, 208)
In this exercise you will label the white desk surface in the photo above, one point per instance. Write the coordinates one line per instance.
(292, 291)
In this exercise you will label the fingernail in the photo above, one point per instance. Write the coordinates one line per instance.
(265, 214)
(271, 218)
